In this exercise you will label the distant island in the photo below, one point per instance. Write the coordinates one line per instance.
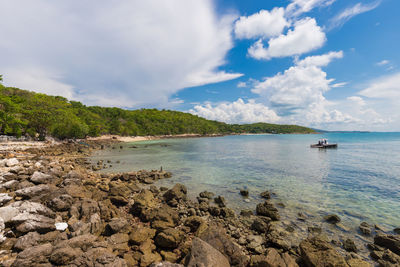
(38, 115)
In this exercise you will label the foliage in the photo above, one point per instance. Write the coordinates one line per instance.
(27, 113)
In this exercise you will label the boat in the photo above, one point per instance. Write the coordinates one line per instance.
(323, 143)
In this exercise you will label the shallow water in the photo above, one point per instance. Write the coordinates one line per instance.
(359, 181)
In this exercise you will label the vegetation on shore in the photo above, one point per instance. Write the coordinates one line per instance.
(27, 113)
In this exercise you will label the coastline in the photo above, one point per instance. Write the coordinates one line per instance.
(140, 224)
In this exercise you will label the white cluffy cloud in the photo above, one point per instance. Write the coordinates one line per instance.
(298, 7)
(387, 87)
(236, 112)
(305, 37)
(122, 53)
(350, 12)
(264, 24)
(383, 62)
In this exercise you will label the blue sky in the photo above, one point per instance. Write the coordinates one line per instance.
(329, 64)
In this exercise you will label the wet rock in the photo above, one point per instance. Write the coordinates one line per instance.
(244, 192)
(41, 178)
(220, 201)
(33, 191)
(396, 230)
(390, 242)
(260, 225)
(206, 194)
(349, 245)
(246, 213)
(169, 238)
(332, 218)
(217, 238)
(61, 203)
(203, 254)
(317, 252)
(268, 209)
(365, 228)
(174, 195)
(266, 195)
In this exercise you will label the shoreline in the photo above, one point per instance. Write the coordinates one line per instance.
(140, 224)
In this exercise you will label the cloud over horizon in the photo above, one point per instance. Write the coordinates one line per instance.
(119, 53)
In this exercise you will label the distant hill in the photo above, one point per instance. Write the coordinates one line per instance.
(27, 113)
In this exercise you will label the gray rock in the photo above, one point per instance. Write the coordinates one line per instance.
(4, 199)
(34, 256)
(203, 254)
(166, 264)
(61, 203)
(332, 218)
(26, 241)
(33, 191)
(7, 213)
(28, 222)
(41, 178)
(11, 162)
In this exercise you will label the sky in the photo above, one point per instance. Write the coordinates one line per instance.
(327, 64)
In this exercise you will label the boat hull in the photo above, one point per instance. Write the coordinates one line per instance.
(324, 146)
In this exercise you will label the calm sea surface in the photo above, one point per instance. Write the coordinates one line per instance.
(359, 181)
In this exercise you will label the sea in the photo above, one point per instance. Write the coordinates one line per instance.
(359, 180)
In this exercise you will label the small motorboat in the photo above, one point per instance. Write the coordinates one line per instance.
(323, 143)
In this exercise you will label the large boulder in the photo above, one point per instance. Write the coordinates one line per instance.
(140, 234)
(391, 242)
(203, 254)
(98, 257)
(33, 191)
(268, 209)
(317, 252)
(217, 238)
(34, 256)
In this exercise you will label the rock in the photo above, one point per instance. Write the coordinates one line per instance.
(260, 225)
(33, 191)
(62, 226)
(149, 258)
(26, 241)
(28, 222)
(365, 228)
(388, 241)
(349, 245)
(169, 256)
(61, 203)
(266, 195)
(34, 256)
(4, 199)
(140, 234)
(244, 192)
(197, 225)
(267, 209)
(166, 264)
(64, 255)
(217, 238)
(332, 218)
(206, 194)
(169, 238)
(41, 178)
(358, 263)
(11, 162)
(203, 254)
(98, 257)
(88, 208)
(246, 213)
(83, 242)
(255, 242)
(117, 225)
(317, 252)
(220, 200)
(397, 230)
(143, 201)
(174, 195)
(272, 259)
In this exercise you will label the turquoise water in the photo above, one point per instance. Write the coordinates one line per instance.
(359, 181)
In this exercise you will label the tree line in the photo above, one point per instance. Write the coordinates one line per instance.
(38, 115)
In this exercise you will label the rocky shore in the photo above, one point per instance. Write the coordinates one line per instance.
(56, 210)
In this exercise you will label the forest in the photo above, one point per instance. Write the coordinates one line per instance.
(38, 115)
